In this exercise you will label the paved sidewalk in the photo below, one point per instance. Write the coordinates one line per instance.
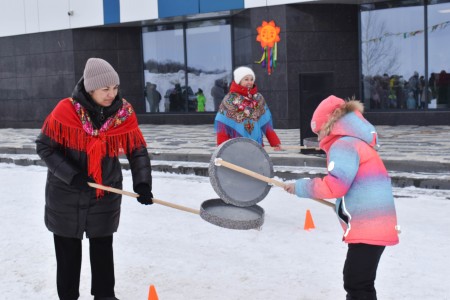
(412, 149)
(424, 148)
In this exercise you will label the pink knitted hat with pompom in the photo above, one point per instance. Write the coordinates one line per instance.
(324, 111)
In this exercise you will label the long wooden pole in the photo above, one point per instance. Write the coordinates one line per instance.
(221, 162)
(161, 202)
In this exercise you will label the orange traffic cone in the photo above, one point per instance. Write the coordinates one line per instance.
(309, 223)
(152, 293)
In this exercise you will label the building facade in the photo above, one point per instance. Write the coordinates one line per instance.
(392, 55)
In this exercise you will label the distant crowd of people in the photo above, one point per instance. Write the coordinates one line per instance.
(180, 99)
(396, 92)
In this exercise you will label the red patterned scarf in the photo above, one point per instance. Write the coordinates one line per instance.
(69, 124)
(243, 104)
(242, 90)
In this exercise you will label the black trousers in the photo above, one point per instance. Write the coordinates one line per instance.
(68, 261)
(360, 270)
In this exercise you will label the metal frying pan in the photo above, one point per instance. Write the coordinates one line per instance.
(226, 215)
(236, 188)
(222, 163)
(214, 211)
(238, 164)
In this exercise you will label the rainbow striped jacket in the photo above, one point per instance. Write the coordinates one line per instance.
(358, 180)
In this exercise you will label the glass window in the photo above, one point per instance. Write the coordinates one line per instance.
(209, 61)
(206, 59)
(438, 54)
(163, 49)
(393, 56)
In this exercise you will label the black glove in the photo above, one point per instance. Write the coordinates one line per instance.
(80, 181)
(145, 194)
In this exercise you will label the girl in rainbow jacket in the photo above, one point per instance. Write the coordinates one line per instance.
(359, 181)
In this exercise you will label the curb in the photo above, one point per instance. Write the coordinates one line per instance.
(299, 160)
(198, 164)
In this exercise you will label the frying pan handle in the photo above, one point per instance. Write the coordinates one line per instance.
(161, 202)
(221, 162)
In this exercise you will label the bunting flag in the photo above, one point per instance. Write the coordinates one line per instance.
(409, 34)
(268, 36)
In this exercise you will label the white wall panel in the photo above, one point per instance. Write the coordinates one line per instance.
(53, 15)
(86, 13)
(31, 16)
(12, 18)
(137, 10)
(254, 3)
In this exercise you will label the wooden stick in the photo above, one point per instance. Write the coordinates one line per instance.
(221, 162)
(161, 202)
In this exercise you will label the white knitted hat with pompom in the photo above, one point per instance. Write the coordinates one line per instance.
(241, 72)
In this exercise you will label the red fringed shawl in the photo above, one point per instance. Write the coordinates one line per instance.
(70, 125)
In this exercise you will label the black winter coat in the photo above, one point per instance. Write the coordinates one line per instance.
(70, 211)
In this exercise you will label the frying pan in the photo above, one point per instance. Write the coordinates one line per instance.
(236, 188)
(239, 169)
(214, 211)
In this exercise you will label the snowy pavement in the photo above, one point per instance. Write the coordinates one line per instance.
(416, 144)
(187, 258)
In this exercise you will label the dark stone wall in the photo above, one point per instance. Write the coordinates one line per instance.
(247, 50)
(38, 70)
(314, 38)
(322, 39)
(122, 48)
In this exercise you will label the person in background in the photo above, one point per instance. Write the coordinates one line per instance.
(80, 142)
(414, 86)
(358, 179)
(176, 99)
(201, 100)
(153, 97)
(244, 112)
(218, 91)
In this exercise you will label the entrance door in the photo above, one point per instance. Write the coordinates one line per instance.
(314, 87)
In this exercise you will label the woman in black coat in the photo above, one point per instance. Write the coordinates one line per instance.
(80, 142)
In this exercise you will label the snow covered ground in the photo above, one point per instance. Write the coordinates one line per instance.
(185, 257)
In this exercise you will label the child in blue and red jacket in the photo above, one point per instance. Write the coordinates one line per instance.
(244, 112)
(358, 179)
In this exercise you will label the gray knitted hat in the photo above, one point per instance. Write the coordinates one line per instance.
(98, 73)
